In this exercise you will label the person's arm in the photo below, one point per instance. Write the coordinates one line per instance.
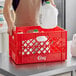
(13, 15)
(7, 15)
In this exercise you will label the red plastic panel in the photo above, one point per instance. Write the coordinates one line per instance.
(25, 48)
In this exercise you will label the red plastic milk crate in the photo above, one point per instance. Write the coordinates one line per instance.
(25, 48)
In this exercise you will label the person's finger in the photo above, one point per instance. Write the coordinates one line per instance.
(10, 31)
(14, 28)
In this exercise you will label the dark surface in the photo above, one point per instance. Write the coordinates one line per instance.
(5, 73)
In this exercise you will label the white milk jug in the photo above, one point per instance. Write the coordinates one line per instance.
(49, 15)
(73, 46)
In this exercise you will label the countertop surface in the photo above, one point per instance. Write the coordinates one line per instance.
(38, 69)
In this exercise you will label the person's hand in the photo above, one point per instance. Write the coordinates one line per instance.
(54, 5)
(11, 29)
(52, 2)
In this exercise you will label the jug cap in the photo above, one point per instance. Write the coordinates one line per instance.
(47, 2)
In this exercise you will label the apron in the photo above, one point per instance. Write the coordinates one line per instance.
(27, 13)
